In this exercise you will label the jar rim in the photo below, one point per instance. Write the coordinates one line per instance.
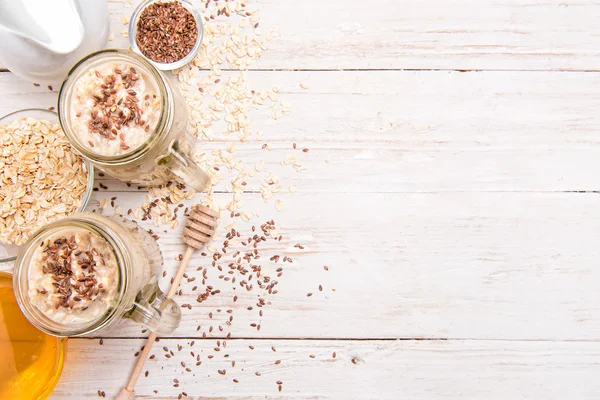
(23, 265)
(64, 99)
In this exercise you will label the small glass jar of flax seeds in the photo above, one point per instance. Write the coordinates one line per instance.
(167, 32)
(127, 119)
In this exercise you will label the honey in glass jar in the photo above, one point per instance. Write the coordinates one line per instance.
(31, 361)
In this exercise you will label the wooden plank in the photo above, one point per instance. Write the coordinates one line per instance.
(433, 265)
(393, 131)
(493, 370)
(417, 34)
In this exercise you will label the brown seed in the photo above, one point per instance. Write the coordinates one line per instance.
(166, 32)
(277, 362)
(333, 355)
(354, 361)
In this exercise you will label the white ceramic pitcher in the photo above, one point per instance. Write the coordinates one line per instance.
(40, 40)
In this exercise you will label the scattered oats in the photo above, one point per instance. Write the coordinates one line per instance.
(102, 204)
(110, 37)
(125, 34)
(279, 205)
(124, 19)
(292, 188)
(304, 85)
(289, 160)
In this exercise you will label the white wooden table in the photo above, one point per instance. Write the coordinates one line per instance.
(458, 213)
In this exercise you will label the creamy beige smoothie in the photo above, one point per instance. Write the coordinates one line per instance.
(74, 276)
(116, 108)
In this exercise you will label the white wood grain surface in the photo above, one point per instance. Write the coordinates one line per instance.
(491, 370)
(449, 205)
(400, 131)
(416, 34)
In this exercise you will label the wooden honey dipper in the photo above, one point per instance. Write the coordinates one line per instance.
(198, 230)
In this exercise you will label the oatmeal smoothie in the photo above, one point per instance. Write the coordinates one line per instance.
(116, 108)
(74, 276)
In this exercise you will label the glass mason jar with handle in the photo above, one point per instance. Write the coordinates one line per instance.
(84, 274)
(129, 120)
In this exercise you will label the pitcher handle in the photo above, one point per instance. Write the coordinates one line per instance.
(156, 312)
(182, 165)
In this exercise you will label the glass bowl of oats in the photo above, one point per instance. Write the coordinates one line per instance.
(42, 179)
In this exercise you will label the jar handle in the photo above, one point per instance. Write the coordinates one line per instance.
(182, 165)
(153, 309)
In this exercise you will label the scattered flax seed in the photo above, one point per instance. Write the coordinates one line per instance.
(279, 383)
(294, 145)
(277, 362)
(235, 381)
(308, 294)
(146, 373)
(320, 288)
(273, 348)
(312, 356)
(325, 267)
(257, 373)
(101, 393)
(305, 150)
(354, 361)
(101, 342)
(333, 355)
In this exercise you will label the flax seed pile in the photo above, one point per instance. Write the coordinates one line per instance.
(166, 32)
(239, 271)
